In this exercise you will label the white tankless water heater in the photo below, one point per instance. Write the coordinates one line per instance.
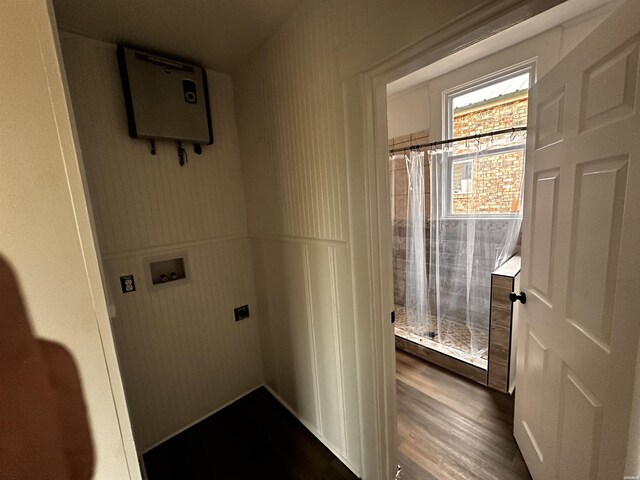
(165, 98)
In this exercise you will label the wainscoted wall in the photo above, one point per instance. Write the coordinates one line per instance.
(289, 116)
(304, 296)
(181, 352)
(182, 355)
(288, 99)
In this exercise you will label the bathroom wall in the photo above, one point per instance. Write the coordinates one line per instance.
(408, 111)
(182, 354)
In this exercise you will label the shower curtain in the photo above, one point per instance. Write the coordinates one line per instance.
(417, 311)
(449, 258)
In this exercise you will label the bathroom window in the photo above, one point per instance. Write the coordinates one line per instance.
(484, 176)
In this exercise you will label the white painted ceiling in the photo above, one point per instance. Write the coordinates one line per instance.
(553, 17)
(216, 33)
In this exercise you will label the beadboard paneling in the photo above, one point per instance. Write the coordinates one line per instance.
(141, 200)
(307, 330)
(290, 119)
(287, 336)
(322, 302)
(182, 354)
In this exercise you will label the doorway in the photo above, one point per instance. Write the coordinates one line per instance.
(456, 210)
(447, 199)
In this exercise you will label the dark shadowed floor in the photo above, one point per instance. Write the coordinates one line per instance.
(254, 438)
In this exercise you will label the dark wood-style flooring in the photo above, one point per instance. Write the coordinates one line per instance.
(254, 438)
(451, 428)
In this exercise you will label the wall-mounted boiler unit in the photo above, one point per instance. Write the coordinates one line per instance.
(165, 98)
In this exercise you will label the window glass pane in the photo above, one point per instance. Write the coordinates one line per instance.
(463, 177)
(492, 184)
(486, 175)
(493, 91)
(498, 106)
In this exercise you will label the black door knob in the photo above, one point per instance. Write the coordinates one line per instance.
(513, 296)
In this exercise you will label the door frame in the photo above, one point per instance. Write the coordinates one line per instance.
(366, 155)
(88, 236)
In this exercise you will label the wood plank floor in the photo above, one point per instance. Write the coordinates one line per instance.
(254, 438)
(451, 428)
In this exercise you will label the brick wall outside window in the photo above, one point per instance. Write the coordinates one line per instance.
(496, 178)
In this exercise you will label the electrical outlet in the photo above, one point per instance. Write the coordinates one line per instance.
(127, 283)
(241, 312)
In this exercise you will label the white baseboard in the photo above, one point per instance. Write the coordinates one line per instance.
(315, 432)
(198, 420)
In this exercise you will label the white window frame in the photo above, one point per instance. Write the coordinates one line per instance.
(447, 100)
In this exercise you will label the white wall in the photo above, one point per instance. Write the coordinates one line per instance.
(181, 352)
(420, 107)
(289, 119)
(409, 111)
(46, 232)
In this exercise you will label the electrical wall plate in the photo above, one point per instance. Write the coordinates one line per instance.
(241, 313)
(127, 283)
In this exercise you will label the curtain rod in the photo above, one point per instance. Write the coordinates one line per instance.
(459, 139)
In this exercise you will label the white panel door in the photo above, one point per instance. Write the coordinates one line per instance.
(581, 264)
